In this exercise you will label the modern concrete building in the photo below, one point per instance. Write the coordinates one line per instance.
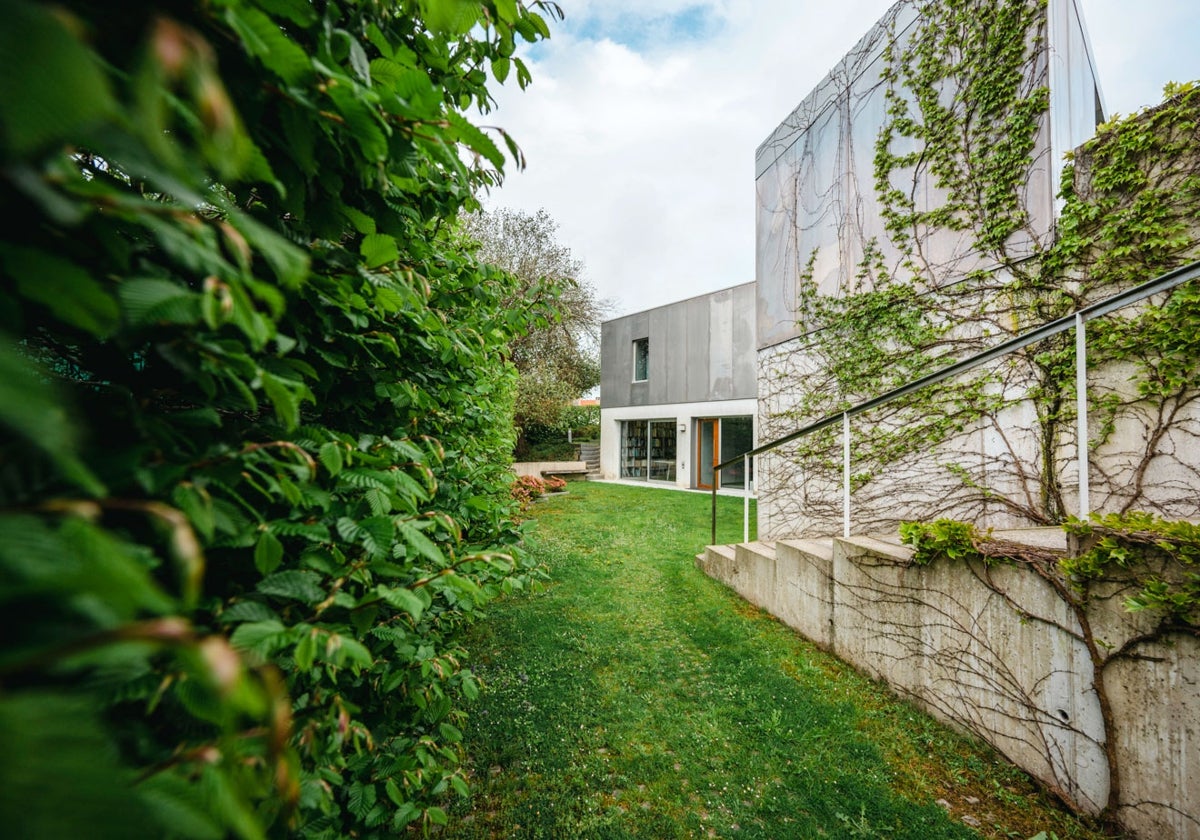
(678, 390)
(991, 648)
(826, 227)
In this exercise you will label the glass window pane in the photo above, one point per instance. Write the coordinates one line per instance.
(662, 450)
(633, 449)
(737, 438)
(641, 360)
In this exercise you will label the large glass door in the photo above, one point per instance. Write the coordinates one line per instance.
(737, 438)
(708, 442)
(648, 449)
(633, 449)
(721, 439)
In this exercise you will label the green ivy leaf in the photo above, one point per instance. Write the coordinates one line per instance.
(402, 599)
(293, 585)
(148, 301)
(423, 546)
(55, 736)
(264, 40)
(330, 455)
(362, 122)
(476, 140)
(305, 652)
(261, 637)
(450, 17)
(379, 249)
(31, 407)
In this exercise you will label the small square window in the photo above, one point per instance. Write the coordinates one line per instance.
(641, 359)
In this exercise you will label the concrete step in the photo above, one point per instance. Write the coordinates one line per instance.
(754, 570)
(819, 548)
(716, 561)
(589, 453)
(804, 581)
(796, 579)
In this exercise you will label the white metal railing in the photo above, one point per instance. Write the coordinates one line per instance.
(1077, 321)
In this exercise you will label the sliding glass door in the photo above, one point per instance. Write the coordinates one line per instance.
(648, 450)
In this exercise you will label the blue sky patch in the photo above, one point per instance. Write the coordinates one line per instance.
(642, 33)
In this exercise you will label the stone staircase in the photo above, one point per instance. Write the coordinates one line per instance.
(589, 453)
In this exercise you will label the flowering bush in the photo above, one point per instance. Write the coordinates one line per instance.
(527, 488)
(555, 484)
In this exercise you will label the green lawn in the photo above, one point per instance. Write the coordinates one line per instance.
(635, 697)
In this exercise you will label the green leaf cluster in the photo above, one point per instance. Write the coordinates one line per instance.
(255, 413)
(1158, 559)
(931, 541)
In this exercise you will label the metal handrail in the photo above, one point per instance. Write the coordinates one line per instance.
(1076, 321)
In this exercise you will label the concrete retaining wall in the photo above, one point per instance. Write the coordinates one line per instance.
(996, 651)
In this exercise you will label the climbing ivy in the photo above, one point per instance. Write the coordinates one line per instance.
(965, 97)
(968, 260)
(964, 92)
(1158, 559)
(966, 102)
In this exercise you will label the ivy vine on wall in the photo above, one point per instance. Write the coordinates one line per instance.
(969, 258)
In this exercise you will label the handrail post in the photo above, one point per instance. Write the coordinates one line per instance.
(746, 499)
(714, 510)
(1081, 413)
(845, 474)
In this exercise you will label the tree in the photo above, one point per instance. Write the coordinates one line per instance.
(255, 410)
(558, 361)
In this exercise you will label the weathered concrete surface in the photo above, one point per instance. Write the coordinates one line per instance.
(804, 588)
(997, 651)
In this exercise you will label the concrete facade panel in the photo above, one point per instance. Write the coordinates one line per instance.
(701, 349)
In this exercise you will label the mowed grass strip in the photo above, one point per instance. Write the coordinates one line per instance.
(635, 697)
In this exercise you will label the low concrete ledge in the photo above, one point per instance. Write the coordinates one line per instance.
(545, 469)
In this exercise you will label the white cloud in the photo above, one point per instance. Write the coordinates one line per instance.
(643, 148)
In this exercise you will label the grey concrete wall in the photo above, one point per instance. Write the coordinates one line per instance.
(998, 652)
(814, 178)
(701, 349)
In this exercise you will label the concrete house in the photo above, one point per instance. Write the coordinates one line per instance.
(678, 391)
(822, 229)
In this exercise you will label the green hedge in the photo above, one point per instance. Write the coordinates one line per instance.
(256, 418)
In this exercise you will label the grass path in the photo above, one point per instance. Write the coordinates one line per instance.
(634, 697)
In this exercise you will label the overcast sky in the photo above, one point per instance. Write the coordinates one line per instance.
(643, 117)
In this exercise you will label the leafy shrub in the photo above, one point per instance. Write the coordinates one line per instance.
(561, 451)
(254, 476)
(526, 489)
(1157, 559)
(941, 538)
